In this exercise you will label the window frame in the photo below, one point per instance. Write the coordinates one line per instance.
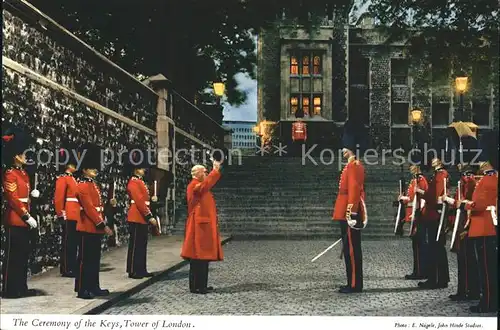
(450, 115)
(489, 111)
(406, 75)
(311, 54)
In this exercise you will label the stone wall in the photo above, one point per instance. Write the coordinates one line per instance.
(58, 87)
(268, 75)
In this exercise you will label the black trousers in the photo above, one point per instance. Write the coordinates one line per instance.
(468, 282)
(438, 271)
(418, 268)
(137, 248)
(486, 254)
(17, 249)
(89, 261)
(69, 253)
(353, 258)
(198, 274)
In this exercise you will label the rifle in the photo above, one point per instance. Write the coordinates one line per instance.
(34, 208)
(155, 205)
(109, 213)
(458, 217)
(443, 212)
(415, 211)
(398, 226)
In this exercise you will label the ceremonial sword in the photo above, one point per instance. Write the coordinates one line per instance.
(326, 250)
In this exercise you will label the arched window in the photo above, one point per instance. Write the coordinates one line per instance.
(294, 65)
(305, 105)
(317, 105)
(317, 65)
(305, 65)
(294, 104)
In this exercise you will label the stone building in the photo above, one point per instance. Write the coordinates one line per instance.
(346, 71)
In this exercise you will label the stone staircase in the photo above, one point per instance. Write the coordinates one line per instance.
(279, 197)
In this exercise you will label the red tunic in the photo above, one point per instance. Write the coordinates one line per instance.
(16, 186)
(138, 193)
(351, 190)
(91, 218)
(433, 194)
(422, 184)
(299, 131)
(467, 185)
(66, 197)
(485, 194)
(202, 240)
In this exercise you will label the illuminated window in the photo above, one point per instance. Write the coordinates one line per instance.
(317, 65)
(305, 105)
(294, 104)
(317, 105)
(294, 65)
(305, 65)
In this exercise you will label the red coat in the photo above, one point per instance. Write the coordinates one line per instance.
(202, 240)
(410, 193)
(138, 193)
(91, 217)
(351, 190)
(467, 186)
(16, 187)
(299, 131)
(485, 194)
(66, 197)
(433, 194)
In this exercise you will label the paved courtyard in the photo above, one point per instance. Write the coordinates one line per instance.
(278, 278)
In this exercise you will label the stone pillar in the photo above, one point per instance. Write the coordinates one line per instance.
(165, 159)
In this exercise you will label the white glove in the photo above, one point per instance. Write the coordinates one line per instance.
(351, 223)
(422, 203)
(420, 191)
(404, 198)
(449, 200)
(35, 193)
(32, 223)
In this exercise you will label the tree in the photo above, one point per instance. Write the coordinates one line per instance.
(461, 32)
(191, 42)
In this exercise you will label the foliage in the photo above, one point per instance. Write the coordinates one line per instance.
(461, 32)
(191, 42)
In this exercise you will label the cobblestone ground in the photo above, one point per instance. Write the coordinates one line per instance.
(278, 278)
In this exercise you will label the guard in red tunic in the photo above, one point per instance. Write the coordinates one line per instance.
(350, 209)
(483, 225)
(418, 186)
(17, 220)
(139, 215)
(67, 208)
(467, 287)
(437, 272)
(91, 226)
(299, 134)
(299, 131)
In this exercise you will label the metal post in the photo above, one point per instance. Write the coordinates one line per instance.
(461, 105)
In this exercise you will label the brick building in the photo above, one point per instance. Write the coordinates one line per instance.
(352, 71)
